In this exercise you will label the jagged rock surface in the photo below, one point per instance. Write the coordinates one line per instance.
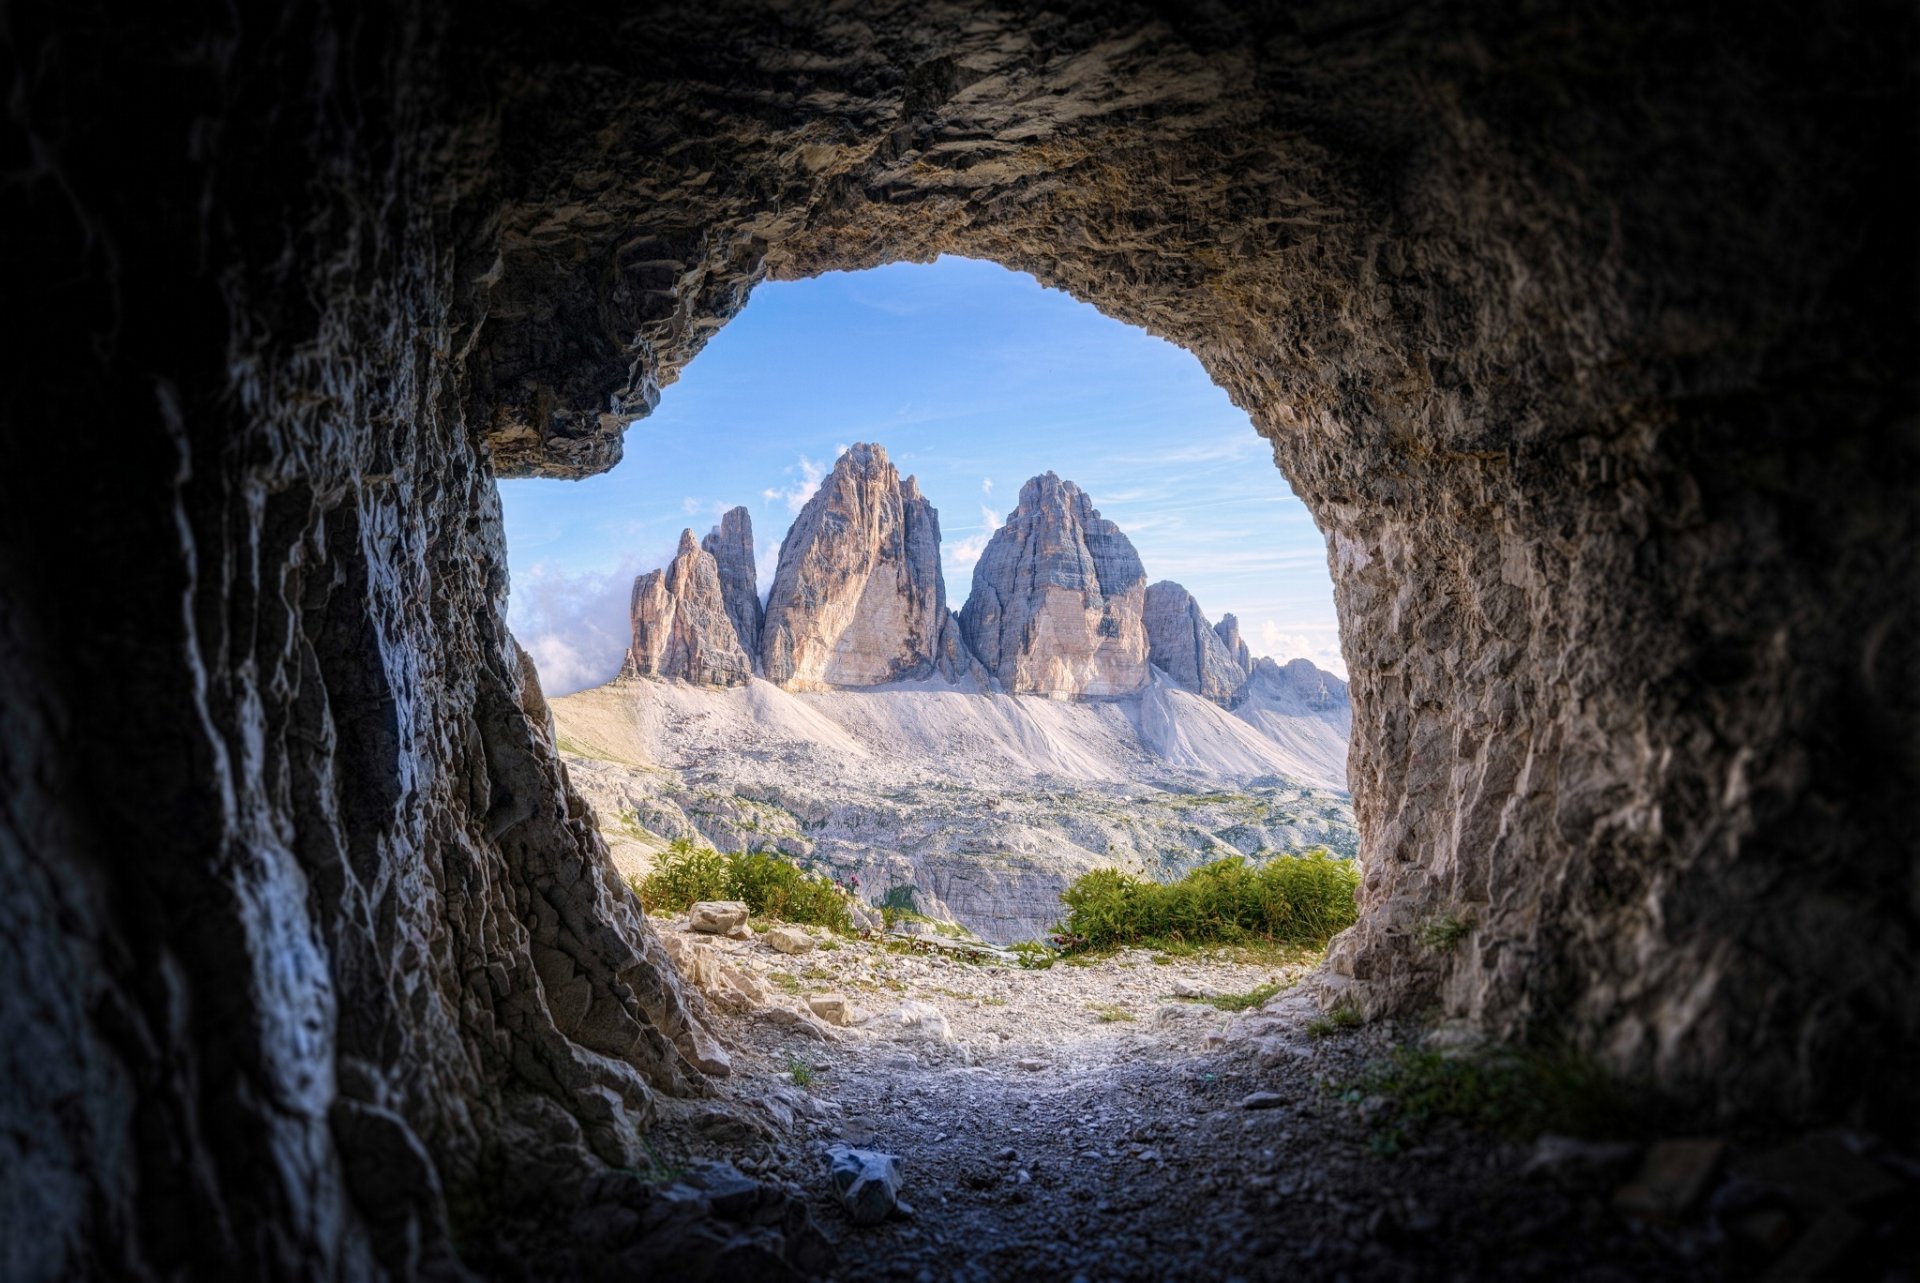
(1228, 630)
(1058, 599)
(731, 545)
(858, 599)
(1184, 646)
(1612, 447)
(681, 626)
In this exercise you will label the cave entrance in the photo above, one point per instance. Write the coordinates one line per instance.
(867, 436)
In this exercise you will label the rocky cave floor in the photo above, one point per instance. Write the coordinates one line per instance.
(1101, 1122)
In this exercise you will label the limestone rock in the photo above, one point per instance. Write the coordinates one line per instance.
(831, 1007)
(1058, 599)
(718, 917)
(730, 544)
(866, 1181)
(1228, 630)
(786, 939)
(1182, 644)
(858, 598)
(681, 628)
(718, 979)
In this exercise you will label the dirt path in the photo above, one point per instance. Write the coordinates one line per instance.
(1092, 1123)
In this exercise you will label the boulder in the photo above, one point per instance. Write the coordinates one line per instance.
(831, 1007)
(866, 1181)
(1058, 599)
(717, 917)
(789, 939)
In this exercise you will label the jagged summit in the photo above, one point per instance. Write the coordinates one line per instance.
(858, 599)
(1060, 605)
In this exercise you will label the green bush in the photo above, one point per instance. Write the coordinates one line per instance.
(770, 886)
(1290, 899)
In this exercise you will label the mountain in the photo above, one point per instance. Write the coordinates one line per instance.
(1070, 717)
(1058, 599)
(858, 599)
(681, 629)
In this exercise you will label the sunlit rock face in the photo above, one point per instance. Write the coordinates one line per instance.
(730, 544)
(1058, 599)
(681, 625)
(1611, 442)
(1228, 631)
(1182, 644)
(858, 599)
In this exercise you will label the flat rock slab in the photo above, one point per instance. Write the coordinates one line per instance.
(717, 917)
(790, 940)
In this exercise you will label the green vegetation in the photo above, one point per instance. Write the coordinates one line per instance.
(1515, 1093)
(799, 1070)
(1292, 900)
(1109, 1013)
(1443, 932)
(1244, 1001)
(1032, 955)
(771, 886)
(1339, 1020)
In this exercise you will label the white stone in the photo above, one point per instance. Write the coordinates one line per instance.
(717, 917)
(790, 939)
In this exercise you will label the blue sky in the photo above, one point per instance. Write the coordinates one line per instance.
(974, 378)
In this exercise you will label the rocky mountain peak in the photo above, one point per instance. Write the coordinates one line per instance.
(1183, 645)
(680, 625)
(731, 545)
(858, 599)
(1058, 599)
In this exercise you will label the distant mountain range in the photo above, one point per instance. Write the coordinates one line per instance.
(1060, 605)
(968, 764)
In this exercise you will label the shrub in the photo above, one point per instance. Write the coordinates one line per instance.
(1291, 899)
(770, 886)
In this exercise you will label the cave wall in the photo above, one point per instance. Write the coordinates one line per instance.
(1587, 336)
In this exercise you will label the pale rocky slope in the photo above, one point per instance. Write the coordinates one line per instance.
(981, 806)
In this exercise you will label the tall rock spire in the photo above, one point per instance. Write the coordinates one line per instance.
(1183, 645)
(680, 624)
(1058, 599)
(731, 546)
(857, 598)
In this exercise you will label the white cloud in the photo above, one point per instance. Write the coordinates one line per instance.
(962, 553)
(795, 496)
(689, 505)
(574, 626)
(986, 485)
(1320, 645)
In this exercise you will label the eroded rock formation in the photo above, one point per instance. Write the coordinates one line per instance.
(1228, 631)
(1182, 644)
(731, 545)
(683, 626)
(1587, 336)
(1057, 600)
(858, 599)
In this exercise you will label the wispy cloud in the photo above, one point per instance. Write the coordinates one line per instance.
(689, 505)
(574, 625)
(808, 479)
(986, 485)
(963, 553)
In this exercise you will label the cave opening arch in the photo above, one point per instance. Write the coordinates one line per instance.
(1607, 437)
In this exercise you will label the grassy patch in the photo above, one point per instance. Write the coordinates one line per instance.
(799, 1070)
(1109, 1012)
(1292, 900)
(785, 982)
(1245, 1001)
(1514, 1093)
(771, 886)
(1444, 932)
(1032, 955)
(1339, 1020)
(993, 1002)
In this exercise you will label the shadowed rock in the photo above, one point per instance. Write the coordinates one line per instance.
(1058, 598)
(731, 545)
(1228, 630)
(1185, 646)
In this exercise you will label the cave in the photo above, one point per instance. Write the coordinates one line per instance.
(1587, 335)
